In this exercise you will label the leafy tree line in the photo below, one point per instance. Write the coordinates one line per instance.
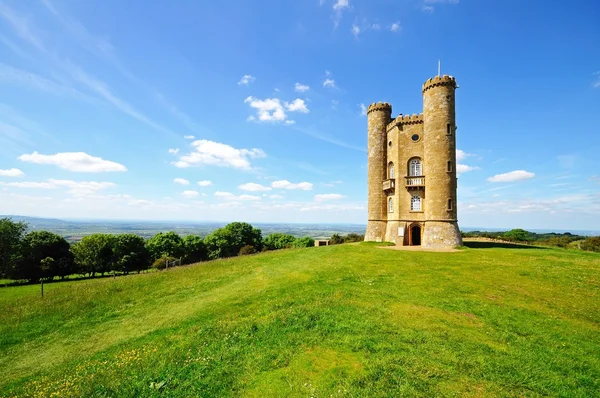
(43, 255)
(564, 240)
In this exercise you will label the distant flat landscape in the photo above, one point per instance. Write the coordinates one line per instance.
(75, 229)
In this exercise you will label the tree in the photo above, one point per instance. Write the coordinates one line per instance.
(307, 241)
(45, 255)
(516, 235)
(228, 241)
(165, 244)
(11, 234)
(195, 249)
(130, 253)
(95, 254)
(220, 244)
(278, 240)
(244, 234)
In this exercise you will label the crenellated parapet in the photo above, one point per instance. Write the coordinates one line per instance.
(405, 119)
(379, 106)
(439, 81)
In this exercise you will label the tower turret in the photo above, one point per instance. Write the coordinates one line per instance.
(441, 228)
(378, 115)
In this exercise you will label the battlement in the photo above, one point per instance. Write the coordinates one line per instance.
(405, 119)
(439, 81)
(379, 106)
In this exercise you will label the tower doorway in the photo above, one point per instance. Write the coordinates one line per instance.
(415, 235)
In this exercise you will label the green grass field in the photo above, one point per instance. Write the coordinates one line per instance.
(349, 320)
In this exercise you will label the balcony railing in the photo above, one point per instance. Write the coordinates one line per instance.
(415, 181)
(389, 184)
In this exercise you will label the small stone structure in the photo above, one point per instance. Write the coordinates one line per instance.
(412, 171)
(321, 242)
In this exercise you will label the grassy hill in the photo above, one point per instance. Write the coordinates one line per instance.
(349, 320)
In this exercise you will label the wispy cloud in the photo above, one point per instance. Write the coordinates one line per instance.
(301, 87)
(21, 26)
(21, 78)
(315, 134)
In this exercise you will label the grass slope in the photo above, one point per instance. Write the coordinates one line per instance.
(349, 320)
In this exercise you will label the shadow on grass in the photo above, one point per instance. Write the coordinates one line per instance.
(501, 245)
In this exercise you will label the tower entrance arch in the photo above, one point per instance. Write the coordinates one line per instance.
(415, 232)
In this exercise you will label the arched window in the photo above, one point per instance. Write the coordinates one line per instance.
(414, 168)
(391, 170)
(415, 203)
(390, 205)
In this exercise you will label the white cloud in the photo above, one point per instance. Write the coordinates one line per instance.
(74, 161)
(218, 154)
(254, 187)
(231, 197)
(297, 106)
(11, 173)
(375, 26)
(462, 155)
(329, 83)
(340, 5)
(174, 151)
(355, 30)
(246, 79)
(275, 197)
(285, 184)
(328, 196)
(181, 181)
(204, 183)
(189, 137)
(268, 110)
(74, 187)
(273, 110)
(463, 168)
(517, 175)
(189, 194)
(395, 27)
(363, 109)
(301, 87)
(29, 184)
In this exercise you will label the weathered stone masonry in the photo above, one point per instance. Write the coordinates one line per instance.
(412, 171)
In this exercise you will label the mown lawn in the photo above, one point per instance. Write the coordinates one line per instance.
(349, 320)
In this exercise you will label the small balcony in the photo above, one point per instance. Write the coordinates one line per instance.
(389, 185)
(415, 182)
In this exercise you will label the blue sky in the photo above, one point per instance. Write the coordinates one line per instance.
(253, 111)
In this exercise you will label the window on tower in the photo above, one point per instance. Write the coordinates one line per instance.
(415, 203)
(415, 168)
(450, 204)
(390, 205)
(449, 166)
(391, 171)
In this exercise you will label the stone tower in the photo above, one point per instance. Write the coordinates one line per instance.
(412, 171)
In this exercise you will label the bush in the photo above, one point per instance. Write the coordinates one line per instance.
(336, 239)
(278, 240)
(161, 263)
(307, 241)
(591, 244)
(247, 250)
